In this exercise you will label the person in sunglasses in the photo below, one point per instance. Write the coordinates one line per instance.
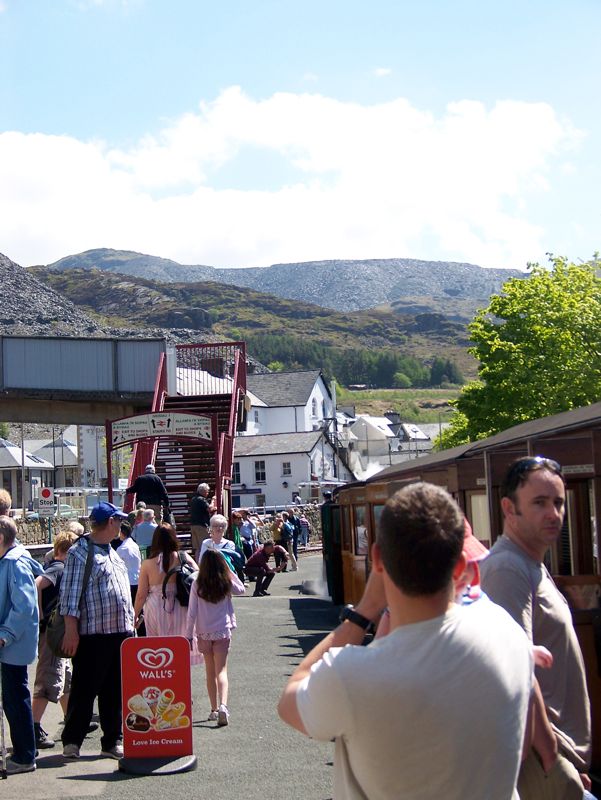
(533, 498)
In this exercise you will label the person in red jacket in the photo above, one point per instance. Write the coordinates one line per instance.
(257, 567)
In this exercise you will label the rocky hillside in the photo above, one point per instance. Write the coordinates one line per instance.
(37, 309)
(432, 286)
(32, 307)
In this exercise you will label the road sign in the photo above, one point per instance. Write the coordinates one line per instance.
(46, 502)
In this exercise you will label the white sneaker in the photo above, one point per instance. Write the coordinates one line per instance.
(15, 767)
(71, 751)
(223, 716)
(213, 716)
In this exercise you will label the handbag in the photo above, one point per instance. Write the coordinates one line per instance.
(55, 630)
(185, 575)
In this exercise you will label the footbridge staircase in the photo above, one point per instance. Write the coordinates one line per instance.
(206, 379)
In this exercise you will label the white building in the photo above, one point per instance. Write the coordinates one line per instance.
(20, 470)
(288, 402)
(268, 469)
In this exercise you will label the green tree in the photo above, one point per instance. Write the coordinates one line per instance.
(275, 366)
(539, 348)
(401, 381)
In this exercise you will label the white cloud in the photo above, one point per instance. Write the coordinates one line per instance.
(382, 72)
(361, 181)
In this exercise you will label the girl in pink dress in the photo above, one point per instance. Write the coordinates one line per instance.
(163, 616)
(211, 617)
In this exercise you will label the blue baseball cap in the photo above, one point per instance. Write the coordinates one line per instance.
(104, 511)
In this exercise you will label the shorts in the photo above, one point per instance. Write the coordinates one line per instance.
(209, 646)
(52, 675)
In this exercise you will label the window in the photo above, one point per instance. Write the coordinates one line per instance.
(314, 407)
(259, 472)
(236, 472)
(256, 415)
(286, 468)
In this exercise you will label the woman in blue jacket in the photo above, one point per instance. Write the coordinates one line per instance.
(18, 643)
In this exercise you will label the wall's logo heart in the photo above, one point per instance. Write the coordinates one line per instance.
(155, 659)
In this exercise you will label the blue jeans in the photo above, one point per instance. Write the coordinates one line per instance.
(16, 702)
(588, 796)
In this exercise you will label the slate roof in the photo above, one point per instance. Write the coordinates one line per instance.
(273, 444)
(283, 388)
(11, 457)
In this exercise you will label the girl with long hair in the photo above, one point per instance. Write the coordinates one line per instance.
(211, 620)
(163, 616)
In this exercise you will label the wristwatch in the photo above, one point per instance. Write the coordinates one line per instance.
(349, 613)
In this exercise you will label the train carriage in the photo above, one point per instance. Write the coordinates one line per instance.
(473, 474)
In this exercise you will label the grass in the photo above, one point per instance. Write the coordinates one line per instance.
(413, 405)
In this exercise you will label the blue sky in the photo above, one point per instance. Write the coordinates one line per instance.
(249, 133)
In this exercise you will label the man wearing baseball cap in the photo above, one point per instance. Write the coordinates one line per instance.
(94, 631)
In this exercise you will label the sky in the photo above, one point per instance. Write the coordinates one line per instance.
(239, 133)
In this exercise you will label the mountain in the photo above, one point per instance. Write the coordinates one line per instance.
(231, 312)
(410, 285)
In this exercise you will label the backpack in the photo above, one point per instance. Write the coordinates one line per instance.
(49, 598)
(185, 575)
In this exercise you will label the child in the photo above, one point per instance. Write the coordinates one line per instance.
(468, 590)
(211, 616)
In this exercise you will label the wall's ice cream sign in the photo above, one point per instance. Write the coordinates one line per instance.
(156, 695)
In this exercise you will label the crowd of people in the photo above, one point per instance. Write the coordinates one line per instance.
(473, 686)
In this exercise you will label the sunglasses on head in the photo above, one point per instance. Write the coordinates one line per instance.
(522, 467)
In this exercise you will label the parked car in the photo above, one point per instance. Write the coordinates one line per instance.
(65, 512)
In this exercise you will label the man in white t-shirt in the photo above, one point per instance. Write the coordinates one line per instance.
(438, 707)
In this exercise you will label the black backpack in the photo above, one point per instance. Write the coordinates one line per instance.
(185, 577)
(50, 596)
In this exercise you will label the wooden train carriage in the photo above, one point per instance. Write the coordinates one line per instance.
(473, 474)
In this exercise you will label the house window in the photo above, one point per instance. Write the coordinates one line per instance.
(236, 472)
(259, 472)
(286, 468)
(314, 407)
(257, 416)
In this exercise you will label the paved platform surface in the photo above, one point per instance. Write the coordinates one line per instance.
(256, 756)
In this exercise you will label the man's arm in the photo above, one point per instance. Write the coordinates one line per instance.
(544, 740)
(370, 606)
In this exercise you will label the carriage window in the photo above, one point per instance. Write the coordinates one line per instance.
(346, 528)
(361, 539)
(478, 516)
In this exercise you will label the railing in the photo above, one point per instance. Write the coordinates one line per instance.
(144, 451)
(205, 369)
(225, 456)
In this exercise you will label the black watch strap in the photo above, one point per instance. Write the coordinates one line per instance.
(349, 613)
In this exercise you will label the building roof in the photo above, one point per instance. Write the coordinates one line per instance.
(551, 425)
(278, 389)
(62, 452)
(381, 424)
(272, 444)
(11, 457)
